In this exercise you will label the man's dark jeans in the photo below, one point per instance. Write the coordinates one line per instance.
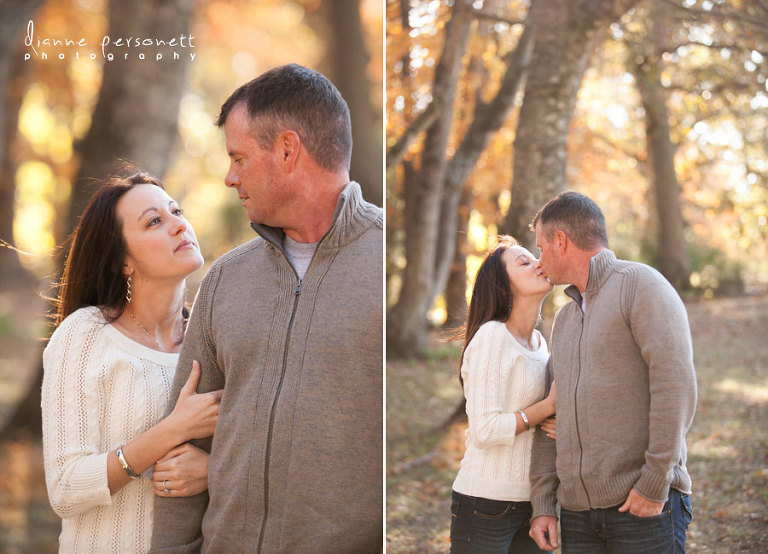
(610, 531)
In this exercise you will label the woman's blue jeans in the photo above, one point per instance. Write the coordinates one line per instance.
(480, 525)
(610, 531)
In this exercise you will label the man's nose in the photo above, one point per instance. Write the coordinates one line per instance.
(231, 179)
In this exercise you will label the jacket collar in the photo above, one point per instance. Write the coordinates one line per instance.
(600, 266)
(353, 216)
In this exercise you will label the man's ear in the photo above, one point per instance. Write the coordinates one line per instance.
(560, 241)
(289, 144)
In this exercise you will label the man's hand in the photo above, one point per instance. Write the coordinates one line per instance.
(640, 506)
(544, 532)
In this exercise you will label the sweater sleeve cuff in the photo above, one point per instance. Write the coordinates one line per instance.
(653, 486)
(92, 475)
(87, 487)
(544, 504)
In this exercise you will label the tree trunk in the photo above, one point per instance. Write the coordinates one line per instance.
(672, 252)
(488, 118)
(135, 119)
(456, 287)
(14, 15)
(424, 120)
(345, 63)
(566, 33)
(407, 325)
(10, 267)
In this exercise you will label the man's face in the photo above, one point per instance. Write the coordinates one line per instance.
(549, 260)
(254, 171)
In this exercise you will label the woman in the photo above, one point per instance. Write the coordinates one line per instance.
(503, 368)
(109, 367)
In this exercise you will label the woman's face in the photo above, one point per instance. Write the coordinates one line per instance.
(525, 274)
(161, 244)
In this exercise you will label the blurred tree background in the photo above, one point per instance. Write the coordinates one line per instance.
(68, 116)
(656, 109)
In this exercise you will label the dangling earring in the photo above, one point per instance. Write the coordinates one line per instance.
(128, 294)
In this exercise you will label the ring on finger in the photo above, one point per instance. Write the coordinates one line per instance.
(166, 490)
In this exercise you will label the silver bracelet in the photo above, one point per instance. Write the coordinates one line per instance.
(525, 420)
(123, 462)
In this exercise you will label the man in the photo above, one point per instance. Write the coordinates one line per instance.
(290, 326)
(622, 362)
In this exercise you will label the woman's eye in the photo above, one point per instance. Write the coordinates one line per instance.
(178, 211)
(153, 221)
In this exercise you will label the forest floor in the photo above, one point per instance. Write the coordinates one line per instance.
(727, 445)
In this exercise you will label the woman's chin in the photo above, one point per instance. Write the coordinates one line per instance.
(545, 291)
(190, 265)
(547, 286)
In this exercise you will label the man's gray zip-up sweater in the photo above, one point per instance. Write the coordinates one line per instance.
(296, 460)
(626, 392)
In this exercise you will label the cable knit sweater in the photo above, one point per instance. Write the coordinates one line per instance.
(100, 389)
(500, 377)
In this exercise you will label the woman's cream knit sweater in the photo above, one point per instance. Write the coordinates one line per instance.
(500, 377)
(100, 390)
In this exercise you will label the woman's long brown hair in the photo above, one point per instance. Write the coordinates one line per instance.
(491, 294)
(93, 272)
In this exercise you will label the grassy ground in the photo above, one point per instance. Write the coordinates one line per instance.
(728, 443)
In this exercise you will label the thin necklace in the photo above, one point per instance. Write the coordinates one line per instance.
(150, 335)
(525, 343)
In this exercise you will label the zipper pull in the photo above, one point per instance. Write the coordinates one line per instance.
(297, 290)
